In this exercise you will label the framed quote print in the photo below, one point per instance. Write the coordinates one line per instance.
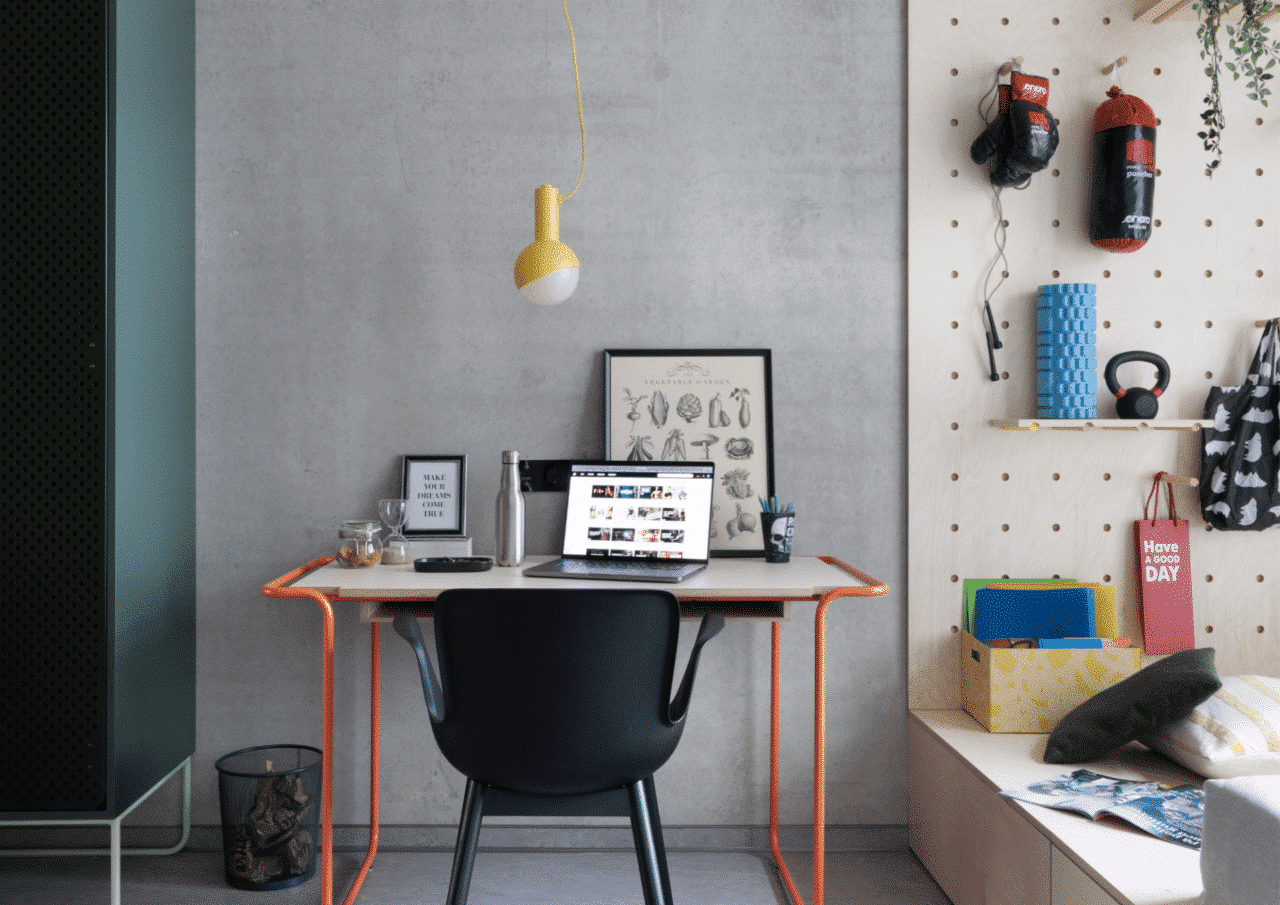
(713, 404)
(436, 488)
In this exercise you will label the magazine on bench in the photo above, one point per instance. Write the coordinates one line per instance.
(1172, 813)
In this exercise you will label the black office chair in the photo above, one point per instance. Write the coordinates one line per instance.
(558, 703)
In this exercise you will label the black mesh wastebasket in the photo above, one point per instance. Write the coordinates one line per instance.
(270, 815)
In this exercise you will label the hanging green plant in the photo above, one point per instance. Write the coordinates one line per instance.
(1254, 53)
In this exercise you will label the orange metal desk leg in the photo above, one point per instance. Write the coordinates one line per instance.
(871, 588)
(276, 589)
(819, 758)
(375, 723)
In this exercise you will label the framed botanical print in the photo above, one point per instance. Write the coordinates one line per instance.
(714, 404)
(436, 488)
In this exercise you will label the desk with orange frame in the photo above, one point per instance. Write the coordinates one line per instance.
(737, 588)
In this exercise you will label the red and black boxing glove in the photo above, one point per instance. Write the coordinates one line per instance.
(1023, 136)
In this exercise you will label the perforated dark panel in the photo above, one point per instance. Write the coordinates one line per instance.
(53, 368)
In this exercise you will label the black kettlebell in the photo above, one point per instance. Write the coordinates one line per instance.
(1137, 402)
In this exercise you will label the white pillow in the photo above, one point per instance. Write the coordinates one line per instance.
(1234, 733)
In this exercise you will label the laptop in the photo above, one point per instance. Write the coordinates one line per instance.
(635, 521)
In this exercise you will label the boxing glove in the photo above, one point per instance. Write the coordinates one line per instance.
(1023, 137)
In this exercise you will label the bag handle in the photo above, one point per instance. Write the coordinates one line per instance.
(1155, 493)
(1267, 358)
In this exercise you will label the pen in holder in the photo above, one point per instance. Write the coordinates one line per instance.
(778, 526)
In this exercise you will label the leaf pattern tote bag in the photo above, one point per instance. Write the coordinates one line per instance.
(1240, 465)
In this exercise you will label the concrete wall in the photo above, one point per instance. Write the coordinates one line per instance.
(365, 177)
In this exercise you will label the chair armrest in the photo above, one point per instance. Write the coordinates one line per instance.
(711, 625)
(407, 628)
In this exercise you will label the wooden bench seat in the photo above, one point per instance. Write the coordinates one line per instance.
(987, 850)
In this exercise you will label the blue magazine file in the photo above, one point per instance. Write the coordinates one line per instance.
(1051, 613)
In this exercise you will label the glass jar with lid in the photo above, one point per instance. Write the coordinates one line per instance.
(358, 544)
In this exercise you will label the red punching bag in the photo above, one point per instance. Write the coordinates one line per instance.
(1124, 173)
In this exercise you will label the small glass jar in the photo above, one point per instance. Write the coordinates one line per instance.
(358, 544)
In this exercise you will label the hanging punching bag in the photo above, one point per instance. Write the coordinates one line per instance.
(1124, 173)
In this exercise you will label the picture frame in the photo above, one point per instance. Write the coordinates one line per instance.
(436, 488)
(714, 404)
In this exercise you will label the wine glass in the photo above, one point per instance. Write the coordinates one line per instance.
(395, 550)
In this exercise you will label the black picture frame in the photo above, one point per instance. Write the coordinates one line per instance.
(436, 488)
(714, 404)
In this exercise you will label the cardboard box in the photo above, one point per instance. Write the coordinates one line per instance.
(1010, 690)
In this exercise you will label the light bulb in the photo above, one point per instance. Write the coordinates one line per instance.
(547, 270)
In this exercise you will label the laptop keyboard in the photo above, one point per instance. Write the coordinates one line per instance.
(613, 567)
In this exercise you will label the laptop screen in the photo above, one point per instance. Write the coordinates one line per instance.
(639, 510)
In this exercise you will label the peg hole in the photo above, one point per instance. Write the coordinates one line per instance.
(955, 527)
(1106, 476)
(1261, 630)
(1057, 476)
(1208, 629)
(1004, 527)
(1158, 325)
(1208, 578)
(1057, 527)
(1208, 375)
(1261, 579)
(1005, 476)
(1106, 527)
(1208, 325)
(1157, 274)
(1106, 274)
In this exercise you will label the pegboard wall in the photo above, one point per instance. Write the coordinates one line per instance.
(986, 502)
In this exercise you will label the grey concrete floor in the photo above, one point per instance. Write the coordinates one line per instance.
(526, 877)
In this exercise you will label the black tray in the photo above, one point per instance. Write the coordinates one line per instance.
(453, 564)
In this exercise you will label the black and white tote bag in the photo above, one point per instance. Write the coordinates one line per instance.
(1240, 466)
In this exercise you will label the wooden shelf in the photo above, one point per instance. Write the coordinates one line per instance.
(1106, 424)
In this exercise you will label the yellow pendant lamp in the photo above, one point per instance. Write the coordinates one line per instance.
(547, 271)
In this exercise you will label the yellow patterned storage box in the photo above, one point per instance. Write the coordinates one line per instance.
(1010, 690)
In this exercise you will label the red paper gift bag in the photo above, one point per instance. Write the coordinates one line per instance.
(1164, 576)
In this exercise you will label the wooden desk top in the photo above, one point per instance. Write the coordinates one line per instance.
(739, 588)
(804, 578)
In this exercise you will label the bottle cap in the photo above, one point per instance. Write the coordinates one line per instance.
(509, 456)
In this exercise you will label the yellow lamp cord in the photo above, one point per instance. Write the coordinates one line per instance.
(581, 125)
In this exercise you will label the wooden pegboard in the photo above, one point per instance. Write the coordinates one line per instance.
(987, 502)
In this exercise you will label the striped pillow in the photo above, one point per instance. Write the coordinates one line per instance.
(1236, 732)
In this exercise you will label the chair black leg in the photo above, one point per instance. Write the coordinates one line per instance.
(464, 853)
(646, 828)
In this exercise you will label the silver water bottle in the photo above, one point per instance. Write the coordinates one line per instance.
(510, 512)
